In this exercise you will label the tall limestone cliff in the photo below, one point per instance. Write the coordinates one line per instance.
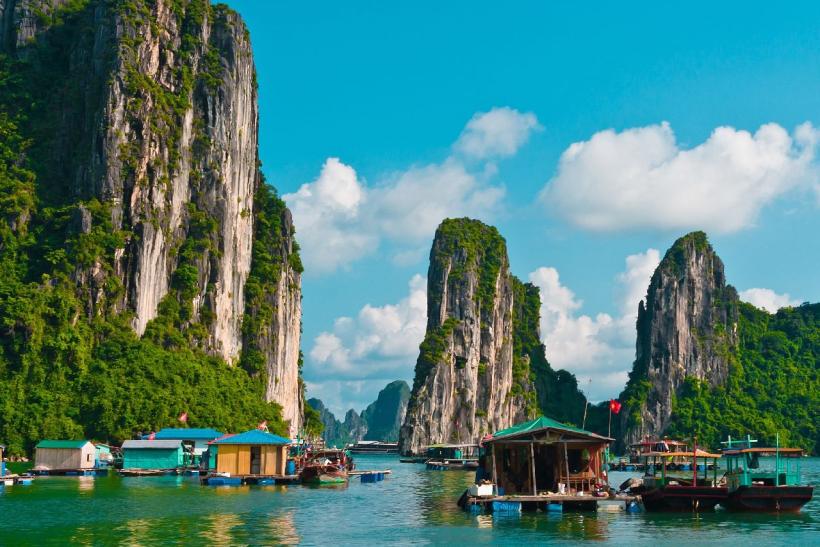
(472, 375)
(385, 415)
(686, 330)
(140, 124)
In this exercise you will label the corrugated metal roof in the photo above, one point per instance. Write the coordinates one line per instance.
(61, 444)
(183, 433)
(254, 436)
(542, 422)
(165, 445)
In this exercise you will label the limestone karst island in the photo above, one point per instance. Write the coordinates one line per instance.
(357, 273)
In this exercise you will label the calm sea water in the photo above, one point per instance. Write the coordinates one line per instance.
(412, 506)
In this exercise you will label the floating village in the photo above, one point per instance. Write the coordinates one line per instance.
(539, 465)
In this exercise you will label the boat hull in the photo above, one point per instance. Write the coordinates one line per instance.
(768, 498)
(683, 498)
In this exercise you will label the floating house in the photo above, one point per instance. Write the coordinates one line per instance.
(152, 455)
(252, 453)
(452, 456)
(63, 455)
(196, 439)
(544, 456)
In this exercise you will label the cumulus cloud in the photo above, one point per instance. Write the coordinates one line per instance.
(767, 299)
(642, 177)
(599, 350)
(327, 213)
(341, 218)
(381, 342)
(499, 132)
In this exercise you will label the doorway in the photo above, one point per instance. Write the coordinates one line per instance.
(256, 460)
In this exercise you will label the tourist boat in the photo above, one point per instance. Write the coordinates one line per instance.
(752, 488)
(328, 466)
(663, 489)
(373, 447)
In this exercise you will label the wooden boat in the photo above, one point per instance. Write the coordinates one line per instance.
(323, 474)
(665, 490)
(754, 489)
(328, 466)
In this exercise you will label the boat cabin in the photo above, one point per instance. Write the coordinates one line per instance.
(153, 455)
(663, 469)
(545, 456)
(745, 468)
(650, 444)
(254, 452)
(61, 455)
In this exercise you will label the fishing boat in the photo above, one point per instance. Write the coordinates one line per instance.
(663, 489)
(329, 466)
(756, 487)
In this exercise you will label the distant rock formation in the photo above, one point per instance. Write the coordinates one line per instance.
(472, 375)
(686, 329)
(380, 421)
(385, 415)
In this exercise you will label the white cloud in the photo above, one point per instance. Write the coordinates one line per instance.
(381, 342)
(767, 299)
(327, 217)
(499, 132)
(641, 177)
(340, 218)
(600, 348)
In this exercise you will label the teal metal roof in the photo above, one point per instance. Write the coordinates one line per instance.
(186, 434)
(61, 444)
(254, 436)
(542, 422)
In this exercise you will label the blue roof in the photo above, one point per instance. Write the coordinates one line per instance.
(254, 436)
(184, 433)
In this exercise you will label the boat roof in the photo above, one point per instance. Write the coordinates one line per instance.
(700, 454)
(658, 441)
(764, 450)
(156, 445)
(61, 444)
(543, 423)
(253, 436)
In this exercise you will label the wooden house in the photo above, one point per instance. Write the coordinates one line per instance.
(64, 455)
(544, 455)
(153, 455)
(253, 452)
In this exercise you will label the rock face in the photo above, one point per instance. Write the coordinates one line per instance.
(688, 328)
(385, 415)
(470, 378)
(157, 124)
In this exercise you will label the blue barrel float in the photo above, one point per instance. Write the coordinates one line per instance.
(506, 507)
(290, 468)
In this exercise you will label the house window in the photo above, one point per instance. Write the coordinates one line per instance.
(88, 457)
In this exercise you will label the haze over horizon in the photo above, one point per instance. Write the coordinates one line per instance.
(590, 136)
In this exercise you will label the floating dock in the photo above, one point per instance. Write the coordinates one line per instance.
(549, 503)
(238, 480)
(370, 475)
(86, 472)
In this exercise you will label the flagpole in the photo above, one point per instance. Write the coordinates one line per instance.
(609, 427)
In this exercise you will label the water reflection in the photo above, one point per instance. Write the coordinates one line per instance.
(283, 529)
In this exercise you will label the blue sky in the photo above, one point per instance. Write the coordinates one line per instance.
(366, 112)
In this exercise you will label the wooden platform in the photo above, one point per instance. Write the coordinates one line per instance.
(357, 472)
(547, 502)
(86, 472)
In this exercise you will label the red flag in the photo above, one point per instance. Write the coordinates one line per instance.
(615, 406)
(183, 417)
(152, 436)
(263, 426)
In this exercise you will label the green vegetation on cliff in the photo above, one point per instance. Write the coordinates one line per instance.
(67, 369)
(773, 386)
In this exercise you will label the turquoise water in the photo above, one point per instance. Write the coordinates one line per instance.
(412, 506)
